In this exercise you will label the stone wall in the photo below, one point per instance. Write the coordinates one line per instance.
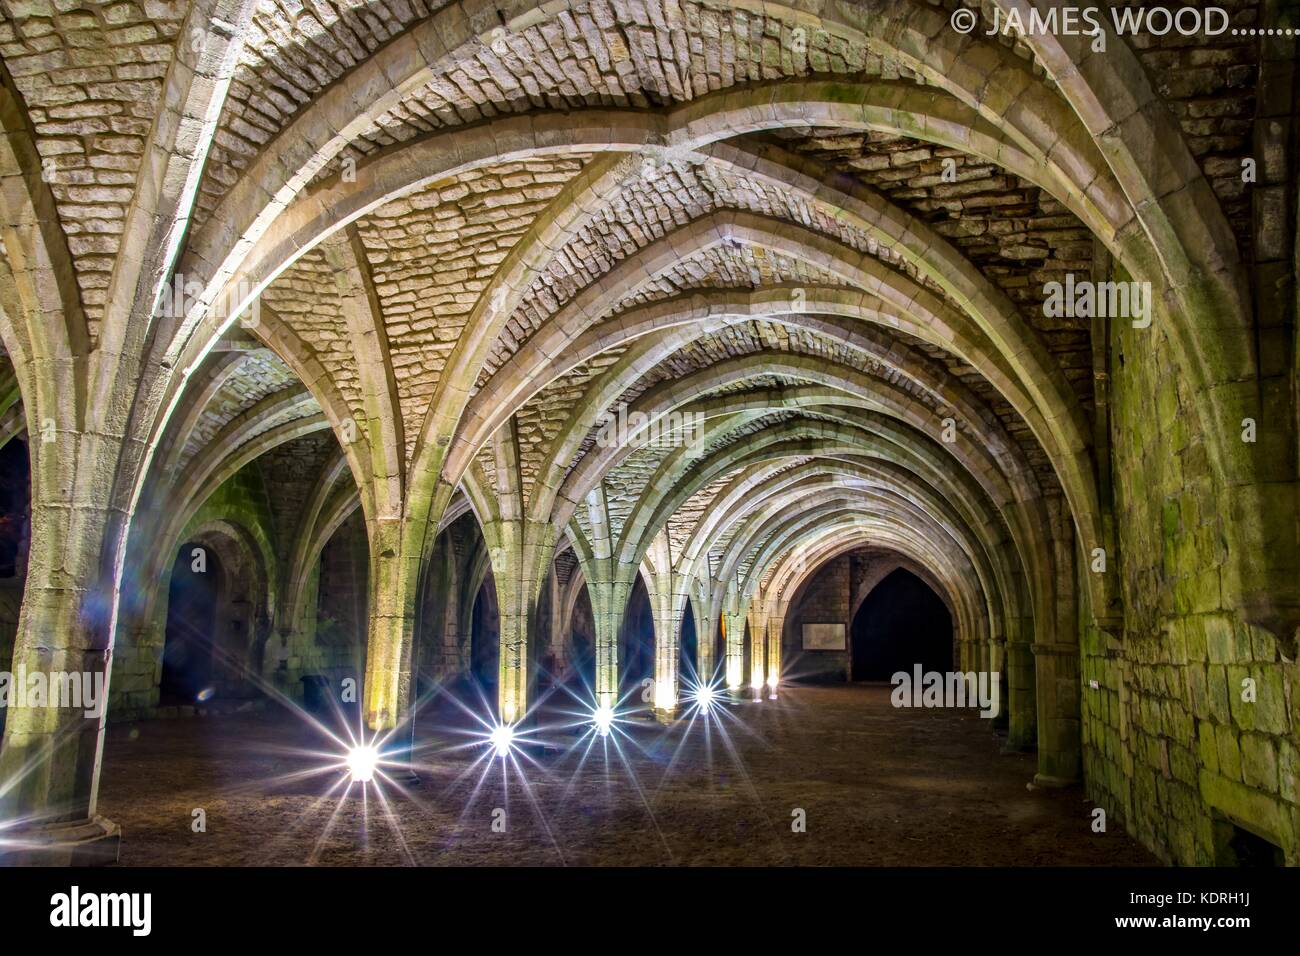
(825, 600)
(443, 625)
(262, 501)
(334, 646)
(1190, 730)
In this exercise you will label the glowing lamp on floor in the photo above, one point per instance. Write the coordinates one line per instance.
(603, 718)
(362, 761)
(502, 739)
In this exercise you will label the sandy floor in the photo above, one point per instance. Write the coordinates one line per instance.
(876, 786)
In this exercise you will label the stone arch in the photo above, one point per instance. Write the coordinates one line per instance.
(245, 596)
(883, 571)
(931, 653)
(638, 637)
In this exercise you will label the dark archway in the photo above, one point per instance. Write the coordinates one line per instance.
(15, 508)
(433, 650)
(582, 630)
(485, 637)
(637, 637)
(15, 536)
(746, 655)
(688, 648)
(901, 623)
(188, 646)
(341, 612)
(542, 664)
(719, 649)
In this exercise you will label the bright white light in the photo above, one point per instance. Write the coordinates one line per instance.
(362, 761)
(603, 718)
(502, 739)
(705, 698)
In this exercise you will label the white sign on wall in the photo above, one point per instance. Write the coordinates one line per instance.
(823, 637)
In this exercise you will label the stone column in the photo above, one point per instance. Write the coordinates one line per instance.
(521, 553)
(775, 634)
(1057, 684)
(393, 585)
(388, 677)
(668, 646)
(606, 639)
(50, 762)
(608, 605)
(705, 629)
(733, 632)
(1022, 712)
(51, 754)
(998, 672)
(393, 590)
(667, 654)
(666, 593)
(608, 609)
(758, 650)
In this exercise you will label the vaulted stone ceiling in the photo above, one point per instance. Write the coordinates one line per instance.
(434, 246)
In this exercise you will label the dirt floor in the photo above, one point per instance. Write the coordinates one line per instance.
(876, 786)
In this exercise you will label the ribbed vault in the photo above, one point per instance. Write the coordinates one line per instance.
(575, 293)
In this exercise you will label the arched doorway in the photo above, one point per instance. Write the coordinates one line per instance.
(190, 641)
(688, 647)
(719, 650)
(341, 613)
(746, 655)
(582, 636)
(15, 509)
(542, 664)
(485, 638)
(15, 538)
(900, 624)
(637, 640)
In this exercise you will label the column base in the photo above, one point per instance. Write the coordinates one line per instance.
(1053, 783)
(93, 842)
(666, 717)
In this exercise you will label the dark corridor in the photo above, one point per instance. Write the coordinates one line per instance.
(900, 624)
(191, 620)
